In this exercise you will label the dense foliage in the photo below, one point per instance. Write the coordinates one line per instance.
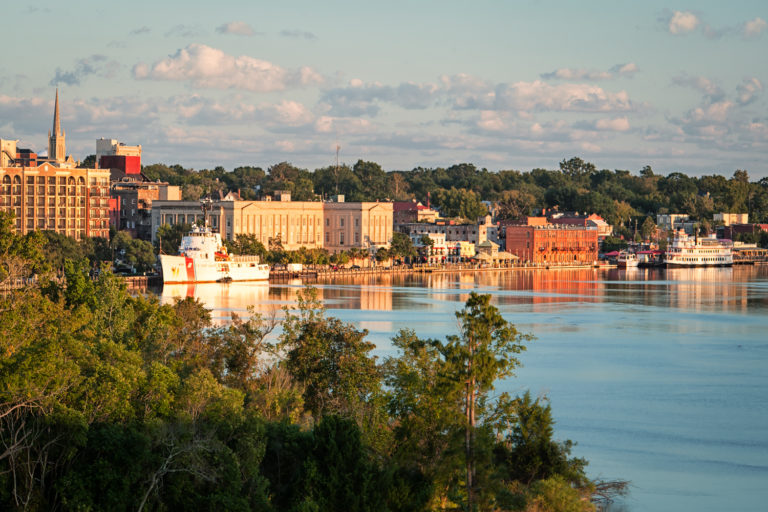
(617, 195)
(110, 401)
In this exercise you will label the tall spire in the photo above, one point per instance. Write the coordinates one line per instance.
(56, 122)
(57, 149)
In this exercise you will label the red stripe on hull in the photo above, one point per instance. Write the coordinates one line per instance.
(190, 269)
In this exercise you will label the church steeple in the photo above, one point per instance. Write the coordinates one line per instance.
(56, 140)
(56, 121)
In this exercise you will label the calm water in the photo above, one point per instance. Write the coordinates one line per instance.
(661, 377)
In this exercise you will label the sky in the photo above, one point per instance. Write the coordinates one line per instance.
(499, 84)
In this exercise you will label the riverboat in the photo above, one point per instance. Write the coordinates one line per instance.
(627, 259)
(687, 251)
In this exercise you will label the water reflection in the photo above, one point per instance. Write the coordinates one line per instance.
(697, 289)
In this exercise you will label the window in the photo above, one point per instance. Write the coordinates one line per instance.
(341, 223)
(327, 221)
(341, 238)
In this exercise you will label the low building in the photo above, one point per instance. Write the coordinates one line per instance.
(590, 221)
(731, 218)
(460, 251)
(671, 221)
(734, 230)
(553, 244)
(132, 205)
(405, 212)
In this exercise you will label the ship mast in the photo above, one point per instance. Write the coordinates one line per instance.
(206, 205)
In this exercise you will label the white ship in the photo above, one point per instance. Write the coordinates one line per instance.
(686, 251)
(203, 259)
(627, 259)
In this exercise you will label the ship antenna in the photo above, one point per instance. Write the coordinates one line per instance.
(206, 205)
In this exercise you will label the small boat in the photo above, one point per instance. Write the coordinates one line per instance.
(204, 259)
(627, 259)
(687, 251)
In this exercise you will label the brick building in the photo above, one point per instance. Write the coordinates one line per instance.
(553, 244)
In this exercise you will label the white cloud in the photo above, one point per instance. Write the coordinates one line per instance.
(748, 90)
(754, 27)
(327, 124)
(682, 22)
(208, 67)
(291, 113)
(619, 124)
(592, 148)
(540, 96)
(239, 28)
(491, 121)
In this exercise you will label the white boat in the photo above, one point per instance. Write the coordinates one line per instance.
(627, 259)
(687, 251)
(204, 259)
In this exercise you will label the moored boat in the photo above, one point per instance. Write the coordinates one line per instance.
(627, 259)
(687, 251)
(204, 259)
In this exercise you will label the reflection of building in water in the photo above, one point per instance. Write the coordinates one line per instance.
(376, 298)
(706, 288)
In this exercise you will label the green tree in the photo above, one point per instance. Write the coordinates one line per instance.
(514, 204)
(168, 237)
(532, 454)
(329, 358)
(402, 246)
(462, 371)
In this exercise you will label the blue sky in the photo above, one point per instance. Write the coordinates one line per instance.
(501, 84)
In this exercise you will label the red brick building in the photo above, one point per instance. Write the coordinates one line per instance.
(553, 244)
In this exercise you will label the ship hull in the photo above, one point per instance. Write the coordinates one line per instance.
(182, 269)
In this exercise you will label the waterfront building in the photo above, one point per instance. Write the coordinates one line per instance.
(280, 222)
(460, 251)
(553, 244)
(733, 231)
(365, 225)
(434, 253)
(50, 193)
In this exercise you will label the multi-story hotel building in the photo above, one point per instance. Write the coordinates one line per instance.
(553, 244)
(290, 224)
(54, 195)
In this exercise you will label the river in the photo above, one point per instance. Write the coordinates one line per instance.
(660, 376)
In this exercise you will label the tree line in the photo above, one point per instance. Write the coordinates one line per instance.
(110, 401)
(577, 185)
